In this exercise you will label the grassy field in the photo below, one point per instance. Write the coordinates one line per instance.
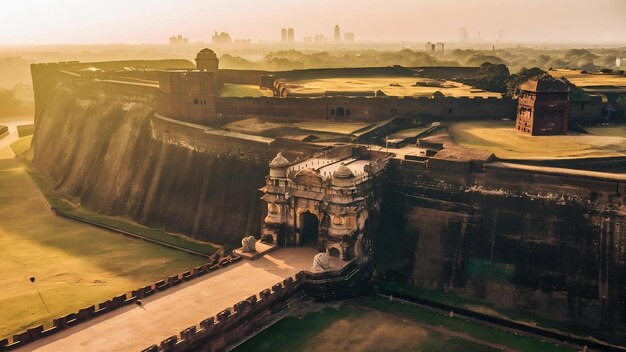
(62, 205)
(501, 138)
(75, 265)
(380, 325)
(391, 85)
(244, 90)
(480, 306)
(590, 80)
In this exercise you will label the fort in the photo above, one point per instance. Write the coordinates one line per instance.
(157, 142)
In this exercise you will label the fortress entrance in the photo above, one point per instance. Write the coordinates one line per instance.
(309, 229)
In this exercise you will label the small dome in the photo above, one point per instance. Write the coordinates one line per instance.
(279, 161)
(438, 94)
(343, 172)
(206, 53)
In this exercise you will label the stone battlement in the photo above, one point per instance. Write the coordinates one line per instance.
(96, 310)
(233, 324)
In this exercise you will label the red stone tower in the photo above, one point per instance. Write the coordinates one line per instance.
(543, 106)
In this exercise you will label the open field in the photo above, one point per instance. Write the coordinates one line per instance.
(481, 306)
(244, 90)
(585, 80)
(391, 85)
(380, 325)
(75, 265)
(501, 138)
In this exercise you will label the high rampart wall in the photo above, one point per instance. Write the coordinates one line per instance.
(548, 241)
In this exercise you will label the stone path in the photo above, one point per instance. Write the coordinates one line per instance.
(164, 314)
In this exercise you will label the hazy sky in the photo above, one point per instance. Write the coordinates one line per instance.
(153, 21)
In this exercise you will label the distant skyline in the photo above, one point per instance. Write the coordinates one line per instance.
(31, 22)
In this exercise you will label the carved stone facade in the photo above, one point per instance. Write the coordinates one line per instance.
(328, 200)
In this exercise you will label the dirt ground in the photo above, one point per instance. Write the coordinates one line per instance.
(501, 138)
(391, 85)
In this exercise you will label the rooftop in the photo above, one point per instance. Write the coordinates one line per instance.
(544, 83)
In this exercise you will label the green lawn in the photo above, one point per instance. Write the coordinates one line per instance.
(244, 90)
(64, 206)
(75, 265)
(525, 317)
(380, 325)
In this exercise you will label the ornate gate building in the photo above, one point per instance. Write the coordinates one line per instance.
(329, 200)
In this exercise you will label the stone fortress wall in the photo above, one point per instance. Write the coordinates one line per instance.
(193, 96)
(440, 219)
(233, 324)
(119, 301)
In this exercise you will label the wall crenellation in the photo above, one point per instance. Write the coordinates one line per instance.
(230, 325)
(96, 310)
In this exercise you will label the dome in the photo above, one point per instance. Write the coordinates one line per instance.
(206, 53)
(343, 172)
(279, 161)
(438, 94)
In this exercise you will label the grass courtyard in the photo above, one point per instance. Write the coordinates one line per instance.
(244, 90)
(75, 265)
(380, 325)
(501, 138)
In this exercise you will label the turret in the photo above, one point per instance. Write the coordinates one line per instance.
(343, 176)
(279, 166)
(206, 60)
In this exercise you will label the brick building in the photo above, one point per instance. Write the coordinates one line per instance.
(543, 106)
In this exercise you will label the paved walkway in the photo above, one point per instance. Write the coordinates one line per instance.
(133, 328)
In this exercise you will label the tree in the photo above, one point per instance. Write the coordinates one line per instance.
(621, 105)
(523, 75)
(491, 77)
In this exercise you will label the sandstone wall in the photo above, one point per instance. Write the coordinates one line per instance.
(531, 241)
(107, 152)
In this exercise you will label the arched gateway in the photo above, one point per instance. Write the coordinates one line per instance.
(323, 201)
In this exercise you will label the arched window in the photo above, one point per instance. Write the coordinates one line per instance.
(332, 112)
(195, 101)
(340, 112)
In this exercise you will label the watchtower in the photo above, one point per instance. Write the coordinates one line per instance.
(206, 60)
(543, 106)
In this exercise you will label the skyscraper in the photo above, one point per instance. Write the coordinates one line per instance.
(348, 37)
(290, 37)
(463, 35)
(283, 35)
(337, 34)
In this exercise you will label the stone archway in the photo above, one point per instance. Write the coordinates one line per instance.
(309, 229)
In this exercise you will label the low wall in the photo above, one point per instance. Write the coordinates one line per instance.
(240, 76)
(114, 303)
(369, 108)
(25, 130)
(233, 324)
